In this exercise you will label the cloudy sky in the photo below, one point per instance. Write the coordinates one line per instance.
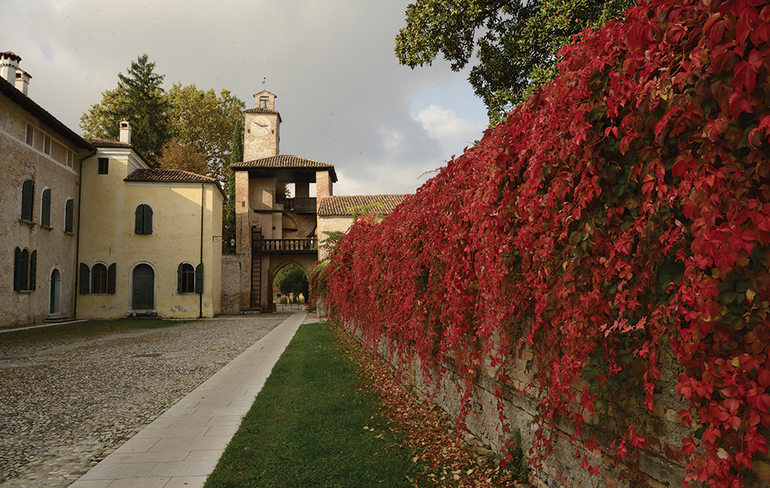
(342, 95)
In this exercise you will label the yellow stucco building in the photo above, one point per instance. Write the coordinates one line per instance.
(150, 239)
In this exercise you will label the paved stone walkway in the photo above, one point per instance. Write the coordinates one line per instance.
(182, 447)
(70, 399)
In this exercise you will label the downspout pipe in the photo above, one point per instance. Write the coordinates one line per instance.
(76, 284)
(200, 297)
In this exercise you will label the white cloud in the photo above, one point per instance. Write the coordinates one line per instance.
(330, 62)
(451, 131)
(392, 140)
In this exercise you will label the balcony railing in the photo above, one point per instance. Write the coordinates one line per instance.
(297, 204)
(285, 246)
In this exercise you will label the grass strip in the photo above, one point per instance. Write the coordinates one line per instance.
(314, 424)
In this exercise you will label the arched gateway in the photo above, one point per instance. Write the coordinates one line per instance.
(271, 226)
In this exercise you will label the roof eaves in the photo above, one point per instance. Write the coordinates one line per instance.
(30, 106)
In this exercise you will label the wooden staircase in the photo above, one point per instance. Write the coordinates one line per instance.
(256, 269)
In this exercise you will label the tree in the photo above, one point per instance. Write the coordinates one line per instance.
(139, 98)
(206, 122)
(198, 119)
(294, 282)
(177, 156)
(236, 156)
(518, 49)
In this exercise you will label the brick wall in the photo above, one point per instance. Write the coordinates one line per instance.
(662, 461)
(231, 284)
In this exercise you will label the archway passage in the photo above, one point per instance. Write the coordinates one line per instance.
(291, 284)
(143, 296)
(55, 293)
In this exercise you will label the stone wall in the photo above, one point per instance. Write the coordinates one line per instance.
(662, 461)
(51, 162)
(231, 284)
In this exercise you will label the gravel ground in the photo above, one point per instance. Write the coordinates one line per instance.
(66, 403)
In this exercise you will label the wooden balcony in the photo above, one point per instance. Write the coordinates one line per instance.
(284, 246)
(298, 204)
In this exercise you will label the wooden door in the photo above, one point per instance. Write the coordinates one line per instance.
(144, 288)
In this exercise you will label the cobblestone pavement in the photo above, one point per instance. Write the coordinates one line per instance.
(66, 402)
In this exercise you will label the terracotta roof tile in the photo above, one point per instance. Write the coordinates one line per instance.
(97, 142)
(284, 161)
(11, 55)
(340, 205)
(169, 176)
(260, 110)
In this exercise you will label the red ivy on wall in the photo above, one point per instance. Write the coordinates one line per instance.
(624, 209)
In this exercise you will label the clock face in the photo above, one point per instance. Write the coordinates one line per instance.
(261, 125)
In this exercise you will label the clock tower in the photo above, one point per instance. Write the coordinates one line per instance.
(262, 128)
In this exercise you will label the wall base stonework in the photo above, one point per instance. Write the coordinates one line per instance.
(662, 462)
(231, 284)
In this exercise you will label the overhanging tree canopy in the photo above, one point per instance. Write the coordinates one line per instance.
(517, 44)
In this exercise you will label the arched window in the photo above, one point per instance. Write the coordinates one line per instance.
(143, 220)
(185, 278)
(99, 278)
(45, 212)
(27, 199)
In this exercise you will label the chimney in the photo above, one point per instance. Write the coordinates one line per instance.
(22, 81)
(125, 131)
(9, 63)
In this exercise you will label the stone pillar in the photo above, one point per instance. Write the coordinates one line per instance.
(323, 184)
(243, 235)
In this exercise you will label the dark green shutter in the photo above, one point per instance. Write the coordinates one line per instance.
(179, 279)
(85, 279)
(46, 216)
(69, 213)
(17, 270)
(138, 219)
(27, 198)
(111, 278)
(147, 220)
(33, 271)
(199, 279)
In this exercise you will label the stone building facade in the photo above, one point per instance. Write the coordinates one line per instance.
(40, 158)
(69, 245)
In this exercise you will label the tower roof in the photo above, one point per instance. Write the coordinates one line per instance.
(285, 162)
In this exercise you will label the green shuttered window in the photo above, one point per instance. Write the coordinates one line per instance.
(27, 199)
(24, 270)
(143, 220)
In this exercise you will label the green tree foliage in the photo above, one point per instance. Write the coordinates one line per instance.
(139, 98)
(206, 122)
(236, 156)
(294, 282)
(178, 156)
(518, 46)
(197, 119)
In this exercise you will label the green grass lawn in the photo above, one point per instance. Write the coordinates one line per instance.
(314, 425)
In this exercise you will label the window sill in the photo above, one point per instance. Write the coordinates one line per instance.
(28, 222)
(69, 233)
(24, 292)
(46, 227)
